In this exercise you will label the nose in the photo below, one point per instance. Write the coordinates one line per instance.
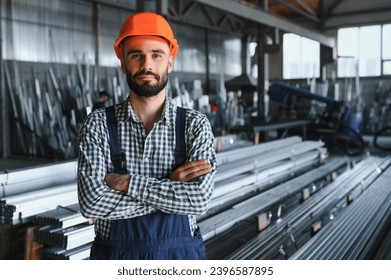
(146, 63)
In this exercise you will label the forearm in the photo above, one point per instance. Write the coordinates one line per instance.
(97, 199)
(186, 198)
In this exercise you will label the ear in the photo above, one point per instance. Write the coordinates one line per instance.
(123, 66)
(170, 61)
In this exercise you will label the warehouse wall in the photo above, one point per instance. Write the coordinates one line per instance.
(74, 40)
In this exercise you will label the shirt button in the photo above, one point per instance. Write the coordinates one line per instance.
(143, 134)
(146, 159)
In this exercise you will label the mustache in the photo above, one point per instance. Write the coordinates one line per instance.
(140, 73)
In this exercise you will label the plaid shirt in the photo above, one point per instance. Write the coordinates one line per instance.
(150, 160)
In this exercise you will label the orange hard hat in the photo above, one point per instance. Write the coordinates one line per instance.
(146, 23)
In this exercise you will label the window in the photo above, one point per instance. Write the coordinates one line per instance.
(301, 57)
(386, 47)
(364, 50)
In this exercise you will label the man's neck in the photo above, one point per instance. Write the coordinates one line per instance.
(148, 109)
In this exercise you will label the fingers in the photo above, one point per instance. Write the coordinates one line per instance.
(191, 171)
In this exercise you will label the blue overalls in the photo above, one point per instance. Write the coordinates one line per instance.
(156, 236)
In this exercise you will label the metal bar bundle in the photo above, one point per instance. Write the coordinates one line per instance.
(278, 239)
(255, 150)
(263, 201)
(346, 237)
(79, 253)
(18, 208)
(66, 238)
(63, 216)
(48, 111)
(249, 164)
(263, 178)
(21, 181)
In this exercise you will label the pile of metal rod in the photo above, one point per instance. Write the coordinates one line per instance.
(19, 208)
(263, 201)
(245, 170)
(79, 253)
(63, 217)
(29, 191)
(65, 238)
(353, 233)
(48, 111)
(22, 181)
(283, 238)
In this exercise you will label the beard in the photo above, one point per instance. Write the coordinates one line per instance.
(146, 89)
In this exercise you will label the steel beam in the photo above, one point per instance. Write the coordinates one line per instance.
(262, 17)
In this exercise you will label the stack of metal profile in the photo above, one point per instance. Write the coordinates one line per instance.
(79, 253)
(356, 231)
(282, 239)
(20, 208)
(30, 191)
(250, 180)
(65, 230)
(65, 238)
(257, 167)
(63, 216)
(263, 201)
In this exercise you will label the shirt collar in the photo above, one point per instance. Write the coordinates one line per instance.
(126, 112)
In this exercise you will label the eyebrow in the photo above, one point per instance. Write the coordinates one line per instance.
(140, 51)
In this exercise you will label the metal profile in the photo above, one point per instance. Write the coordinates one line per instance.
(225, 220)
(346, 236)
(298, 222)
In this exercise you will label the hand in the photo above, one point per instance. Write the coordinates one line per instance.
(191, 171)
(119, 182)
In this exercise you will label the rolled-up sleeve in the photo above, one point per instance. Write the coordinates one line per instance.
(96, 199)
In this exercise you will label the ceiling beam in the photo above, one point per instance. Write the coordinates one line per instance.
(297, 10)
(259, 16)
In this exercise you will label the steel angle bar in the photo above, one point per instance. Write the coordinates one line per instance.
(78, 238)
(63, 216)
(80, 253)
(225, 220)
(11, 92)
(237, 154)
(66, 238)
(249, 164)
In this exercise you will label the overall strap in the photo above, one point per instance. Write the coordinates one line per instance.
(117, 156)
(180, 144)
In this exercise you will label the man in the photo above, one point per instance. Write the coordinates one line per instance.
(150, 211)
(103, 97)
